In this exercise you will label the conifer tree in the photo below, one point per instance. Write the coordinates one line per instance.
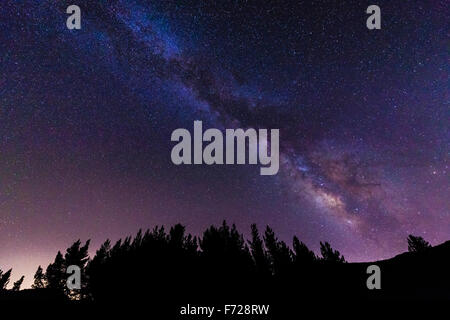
(39, 279)
(417, 244)
(17, 284)
(279, 252)
(4, 279)
(330, 255)
(79, 256)
(258, 252)
(55, 274)
(302, 255)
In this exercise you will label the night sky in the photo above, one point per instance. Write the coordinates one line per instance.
(86, 118)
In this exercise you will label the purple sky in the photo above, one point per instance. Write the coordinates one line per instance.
(86, 117)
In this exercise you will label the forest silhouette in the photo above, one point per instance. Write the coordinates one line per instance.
(164, 270)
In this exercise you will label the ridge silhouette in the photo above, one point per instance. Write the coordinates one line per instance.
(166, 270)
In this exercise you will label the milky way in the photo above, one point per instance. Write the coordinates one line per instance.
(86, 117)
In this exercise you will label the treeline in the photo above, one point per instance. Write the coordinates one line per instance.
(159, 264)
(221, 251)
(5, 278)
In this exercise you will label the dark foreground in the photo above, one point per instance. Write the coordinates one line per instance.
(174, 276)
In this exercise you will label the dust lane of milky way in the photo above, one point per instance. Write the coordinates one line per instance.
(86, 117)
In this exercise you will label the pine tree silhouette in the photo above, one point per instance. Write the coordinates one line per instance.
(330, 255)
(168, 269)
(55, 274)
(95, 267)
(39, 279)
(77, 255)
(258, 252)
(417, 244)
(4, 279)
(279, 253)
(18, 284)
(302, 255)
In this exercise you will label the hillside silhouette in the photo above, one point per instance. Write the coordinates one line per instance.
(163, 270)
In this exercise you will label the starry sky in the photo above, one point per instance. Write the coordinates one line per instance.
(86, 118)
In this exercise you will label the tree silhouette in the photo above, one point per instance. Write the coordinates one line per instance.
(56, 274)
(39, 279)
(258, 253)
(224, 248)
(302, 255)
(330, 255)
(17, 284)
(172, 268)
(95, 267)
(77, 255)
(4, 279)
(417, 244)
(280, 255)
